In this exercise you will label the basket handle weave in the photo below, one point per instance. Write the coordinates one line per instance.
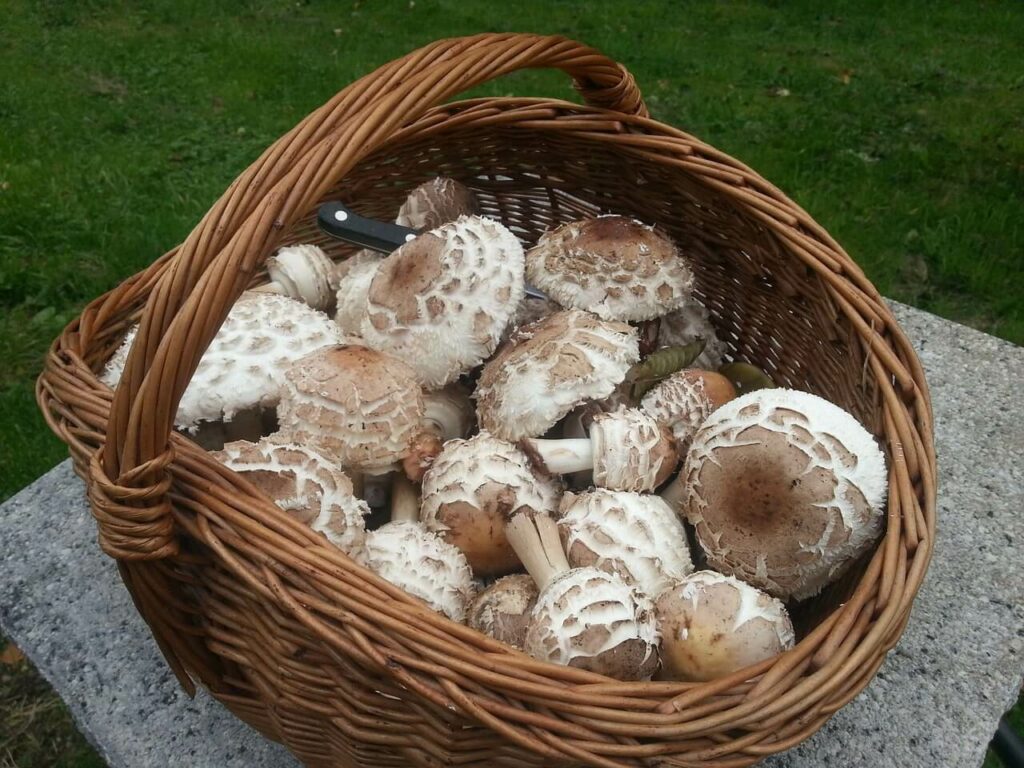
(213, 266)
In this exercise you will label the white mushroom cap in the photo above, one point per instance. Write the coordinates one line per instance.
(632, 451)
(713, 625)
(362, 407)
(423, 564)
(442, 301)
(449, 412)
(303, 272)
(634, 535)
(472, 488)
(309, 487)
(244, 366)
(689, 323)
(684, 400)
(593, 620)
(437, 202)
(549, 368)
(613, 266)
(352, 278)
(503, 610)
(785, 490)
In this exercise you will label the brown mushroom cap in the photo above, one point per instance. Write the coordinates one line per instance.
(470, 490)
(442, 300)
(423, 564)
(362, 407)
(685, 399)
(593, 620)
(634, 535)
(504, 609)
(713, 625)
(437, 202)
(785, 490)
(550, 367)
(613, 266)
(305, 484)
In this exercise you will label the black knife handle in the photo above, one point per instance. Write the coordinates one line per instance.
(342, 223)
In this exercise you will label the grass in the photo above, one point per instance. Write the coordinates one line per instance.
(898, 126)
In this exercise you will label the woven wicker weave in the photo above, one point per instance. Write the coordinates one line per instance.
(339, 665)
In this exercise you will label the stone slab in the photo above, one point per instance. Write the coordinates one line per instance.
(935, 701)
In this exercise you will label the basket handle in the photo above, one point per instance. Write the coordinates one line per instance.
(217, 260)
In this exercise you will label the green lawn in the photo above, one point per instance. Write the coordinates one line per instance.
(899, 126)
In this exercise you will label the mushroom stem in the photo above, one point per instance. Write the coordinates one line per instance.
(272, 287)
(560, 457)
(405, 501)
(448, 413)
(535, 539)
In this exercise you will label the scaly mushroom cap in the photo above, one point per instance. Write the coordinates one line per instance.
(309, 487)
(503, 610)
(713, 625)
(593, 620)
(634, 535)
(470, 490)
(549, 368)
(304, 272)
(361, 407)
(684, 400)
(785, 490)
(442, 301)
(613, 266)
(687, 324)
(423, 564)
(244, 366)
(352, 278)
(437, 202)
(632, 451)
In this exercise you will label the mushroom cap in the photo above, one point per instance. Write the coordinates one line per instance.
(472, 488)
(613, 266)
(437, 202)
(784, 489)
(634, 535)
(352, 278)
(359, 406)
(442, 301)
(304, 272)
(530, 310)
(684, 400)
(632, 451)
(309, 487)
(593, 620)
(550, 367)
(713, 625)
(689, 323)
(504, 609)
(244, 366)
(423, 564)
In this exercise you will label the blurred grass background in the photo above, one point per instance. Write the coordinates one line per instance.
(898, 126)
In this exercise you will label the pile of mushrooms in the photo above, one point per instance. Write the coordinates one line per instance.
(548, 471)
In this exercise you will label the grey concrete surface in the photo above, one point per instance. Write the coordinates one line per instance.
(935, 702)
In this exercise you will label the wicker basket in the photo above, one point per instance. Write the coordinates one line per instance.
(339, 665)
